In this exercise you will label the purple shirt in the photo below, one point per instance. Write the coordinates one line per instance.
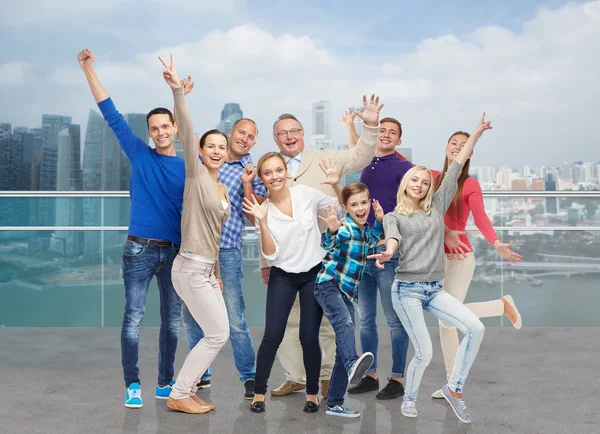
(383, 176)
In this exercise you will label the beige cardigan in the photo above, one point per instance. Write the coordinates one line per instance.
(203, 213)
(347, 161)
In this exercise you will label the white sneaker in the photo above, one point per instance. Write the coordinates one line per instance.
(437, 394)
(409, 409)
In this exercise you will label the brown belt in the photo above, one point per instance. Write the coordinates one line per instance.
(150, 241)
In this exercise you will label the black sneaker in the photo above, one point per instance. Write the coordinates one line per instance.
(249, 385)
(367, 384)
(392, 390)
(204, 384)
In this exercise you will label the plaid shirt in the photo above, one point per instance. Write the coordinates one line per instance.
(346, 256)
(230, 175)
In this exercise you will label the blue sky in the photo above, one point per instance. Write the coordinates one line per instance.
(531, 65)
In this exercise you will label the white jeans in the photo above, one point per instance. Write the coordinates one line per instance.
(197, 286)
(458, 278)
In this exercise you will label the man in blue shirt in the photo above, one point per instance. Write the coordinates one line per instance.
(239, 176)
(154, 235)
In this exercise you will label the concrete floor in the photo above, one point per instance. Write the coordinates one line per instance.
(536, 380)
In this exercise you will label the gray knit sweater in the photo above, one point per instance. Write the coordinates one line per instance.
(421, 236)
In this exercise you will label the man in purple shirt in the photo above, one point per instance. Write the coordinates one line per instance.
(382, 176)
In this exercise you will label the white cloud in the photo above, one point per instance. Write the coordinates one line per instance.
(14, 74)
(47, 13)
(539, 84)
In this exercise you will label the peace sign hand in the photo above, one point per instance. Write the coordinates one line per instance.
(483, 125)
(170, 74)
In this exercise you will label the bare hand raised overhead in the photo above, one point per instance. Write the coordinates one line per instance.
(370, 114)
(187, 85)
(170, 74)
(86, 58)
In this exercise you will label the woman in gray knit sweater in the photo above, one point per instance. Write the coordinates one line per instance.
(416, 229)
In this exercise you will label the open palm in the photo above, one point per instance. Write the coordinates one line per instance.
(370, 114)
(252, 207)
(331, 173)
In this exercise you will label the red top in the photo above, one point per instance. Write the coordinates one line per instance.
(472, 202)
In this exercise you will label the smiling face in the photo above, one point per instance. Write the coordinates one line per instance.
(389, 138)
(242, 139)
(273, 173)
(289, 136)
(418, 185)
(214, 151)
(358, 206)
(161, 130)
(455, 144)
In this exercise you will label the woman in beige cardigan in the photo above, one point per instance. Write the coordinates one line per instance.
(196, 270)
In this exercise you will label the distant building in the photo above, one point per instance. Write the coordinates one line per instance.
(321, 125)
(518, 184)
(229, 115)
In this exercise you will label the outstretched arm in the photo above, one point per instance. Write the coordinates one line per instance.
(187, 85)
(129, 142)
(86, 61)
(348, 121)
(186, 127)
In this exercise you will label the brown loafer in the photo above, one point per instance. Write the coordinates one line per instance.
(324, 388)
(287, 388)
(202, 403)
(186, 405)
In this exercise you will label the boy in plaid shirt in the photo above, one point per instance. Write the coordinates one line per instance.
(347, 242)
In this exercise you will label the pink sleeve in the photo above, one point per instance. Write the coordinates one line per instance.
(475, 201)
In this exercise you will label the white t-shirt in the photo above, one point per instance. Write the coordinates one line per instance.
(298, 239)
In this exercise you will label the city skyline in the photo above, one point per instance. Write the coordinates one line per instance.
(436, 73)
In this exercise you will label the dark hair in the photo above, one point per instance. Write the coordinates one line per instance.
(266, 157)
(242, 120)
(393, 121)
(159, 111)
(286, 116)
(209, 133)
(352, 189)
(464, 174)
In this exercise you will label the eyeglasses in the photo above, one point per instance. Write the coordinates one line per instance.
(293, 132)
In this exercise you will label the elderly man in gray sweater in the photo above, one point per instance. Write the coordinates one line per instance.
(303, 168)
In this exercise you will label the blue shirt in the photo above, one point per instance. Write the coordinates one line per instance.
(230, 175)
(346, 256)
(156, 186)
(383, 176)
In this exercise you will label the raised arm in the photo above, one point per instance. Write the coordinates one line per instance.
(128, 141)
(467, 150)
(348, 121)
(193, 166)
(361, 155)
(251, 186)
(187, 85)
(332, 177)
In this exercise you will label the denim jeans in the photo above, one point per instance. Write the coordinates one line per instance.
(410, 300)
(340, 311)
(140, 263)
(230, 261)
(376, 278)
(281, 294)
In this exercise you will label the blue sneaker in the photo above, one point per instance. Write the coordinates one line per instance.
(133, 396)
(163, 392)
(341, 410)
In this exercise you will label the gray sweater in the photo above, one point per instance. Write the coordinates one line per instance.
(421, 236)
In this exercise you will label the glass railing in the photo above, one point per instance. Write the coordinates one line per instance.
(60, 260)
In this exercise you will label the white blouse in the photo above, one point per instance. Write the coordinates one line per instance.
(297, 239)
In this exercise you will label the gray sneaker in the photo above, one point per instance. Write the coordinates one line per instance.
(408, 408)
(458, 405)
(360, 368)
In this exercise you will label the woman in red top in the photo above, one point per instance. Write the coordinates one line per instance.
(459, 271)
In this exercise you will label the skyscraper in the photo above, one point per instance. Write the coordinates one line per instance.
(5, 137)
(12, 159)
(229, 115)
(92, 152)
(321, 125)
(51, 126)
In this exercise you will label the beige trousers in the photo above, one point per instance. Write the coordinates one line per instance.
(197, 286)
(290, 350)
(458, 278)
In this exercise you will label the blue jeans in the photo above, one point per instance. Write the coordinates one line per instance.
(140, 263)
(281, 294)
(340, 312)
(376, 278)
(230, 261)
(410, 300)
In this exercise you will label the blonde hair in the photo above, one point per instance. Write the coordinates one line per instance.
(266, 157)
(404, 205)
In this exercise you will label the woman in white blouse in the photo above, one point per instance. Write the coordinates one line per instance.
(291, 243)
